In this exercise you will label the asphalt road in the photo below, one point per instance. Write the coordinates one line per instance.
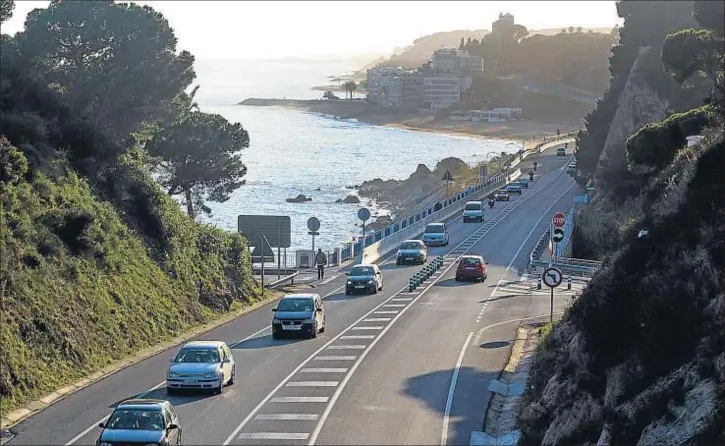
(393, 352)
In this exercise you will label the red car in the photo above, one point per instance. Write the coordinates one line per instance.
(472, 268)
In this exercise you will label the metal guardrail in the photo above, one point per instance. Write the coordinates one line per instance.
(290, 278)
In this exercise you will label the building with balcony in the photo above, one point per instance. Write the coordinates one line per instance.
(451, 60)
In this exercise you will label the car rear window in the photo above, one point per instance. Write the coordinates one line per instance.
(471, 261)
(434, 229)
(473, 206)
(410, 245)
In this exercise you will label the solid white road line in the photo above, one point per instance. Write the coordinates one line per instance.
(402, 299)
(274, 436)
(358, 337)
(387, 312)
(369, 327)
(312, 383)
(395, 305)
(452, 390)
(324, 370)
(336, 358)
(300, 399)
(286, 417)
(378, 319)
(347, 347)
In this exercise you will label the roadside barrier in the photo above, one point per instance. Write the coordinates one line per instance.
(425, 274)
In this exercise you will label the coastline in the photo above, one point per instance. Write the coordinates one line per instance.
(527, 132)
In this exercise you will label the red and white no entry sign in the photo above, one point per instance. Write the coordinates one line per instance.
(559, 220)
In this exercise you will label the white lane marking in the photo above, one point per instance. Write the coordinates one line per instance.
(324, 370)
(346, 379)
(518, 319)
(312, 383)
(358, 337)
(286, 417)
(452, 390)
(336, 358)
(274, 436)
(544, 215)
(326, 281)
(402, 299)
(369, 327)
(387, 312)
(300, 399)
(394, 305)
(377, 319)
(347, 347)
(163, 383)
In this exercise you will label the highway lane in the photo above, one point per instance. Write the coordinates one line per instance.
(403, 387)
(259, 362)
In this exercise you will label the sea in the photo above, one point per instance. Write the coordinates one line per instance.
(294, 152)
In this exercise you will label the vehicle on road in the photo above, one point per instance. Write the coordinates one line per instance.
(560, 151)
(473, 211)
(201, 365)
(502, 195)
(571, 168)
(364, 279)
(523, 182)
(514, 188)
(298, 314)
(471, 267)
(412, 251)
(141, 422)
(435, 234)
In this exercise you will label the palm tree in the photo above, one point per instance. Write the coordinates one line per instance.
(350, 87)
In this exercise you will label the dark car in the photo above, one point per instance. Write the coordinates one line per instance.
(141, 422)
(514, 188)
(412, 251)
(299, 314)
(471, 267)
(523, 182)
(364, 279)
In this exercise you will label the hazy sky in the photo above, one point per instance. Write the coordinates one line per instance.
(274, 29)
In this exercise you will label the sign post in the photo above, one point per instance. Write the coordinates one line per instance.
(363, 214)
(552, 278)
(313, 224)
(448, 178)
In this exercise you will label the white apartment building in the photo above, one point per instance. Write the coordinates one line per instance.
(395, 87)
(451, 60)
(440, 92)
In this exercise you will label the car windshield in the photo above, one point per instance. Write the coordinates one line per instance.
(304, 304)
(471, 261)
(362, 270)
(473, 206)
(198, 355)
(410, 245)
(500, 191)
(148, 420)
(434, 229)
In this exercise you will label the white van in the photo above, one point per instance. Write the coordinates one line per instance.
(473, 211)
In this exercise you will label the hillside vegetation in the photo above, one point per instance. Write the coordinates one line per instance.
(97, 260)
(639, 358)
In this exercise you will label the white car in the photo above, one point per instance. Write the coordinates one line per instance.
(473, 211)
(201, 365)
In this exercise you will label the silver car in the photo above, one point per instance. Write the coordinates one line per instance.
(201, 365)
(412, 251)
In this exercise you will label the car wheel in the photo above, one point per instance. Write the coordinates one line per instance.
(458, 279)
(381, 286)
(234, 375)
(397, 262)
(313, 332)
(275, 335)
(375, 290)
(347, 293)
(219, 390)
(322, 329)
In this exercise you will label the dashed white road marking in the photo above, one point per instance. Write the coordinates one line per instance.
(336, 358)
(378, 319)
(287, 417)
(312, 383)
(387, 312)
(347, 347)
(401, 299)
(394, 305)
(273, 436)
(358, 337)
(300, 399)
(324, 370)
(369, 327)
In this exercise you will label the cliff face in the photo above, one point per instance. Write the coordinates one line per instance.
(638, 105)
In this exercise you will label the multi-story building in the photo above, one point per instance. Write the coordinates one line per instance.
(451, 60)
(440, 91)
(393, 87)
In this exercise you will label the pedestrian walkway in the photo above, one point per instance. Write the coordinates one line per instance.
(527, 285)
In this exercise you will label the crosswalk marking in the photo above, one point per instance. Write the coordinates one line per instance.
(300, 399)
(273, 436)
(312, 383)
(324, 370)
(287, 417)
(335, 358)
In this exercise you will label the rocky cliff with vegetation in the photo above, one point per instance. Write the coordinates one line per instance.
(97, 259)
(639, 358)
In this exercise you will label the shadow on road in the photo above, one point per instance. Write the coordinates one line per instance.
(495, 344)
(505, 296)
(342, 296)
(451, 283)
(469, 401)
(178, 399)
(267, 342)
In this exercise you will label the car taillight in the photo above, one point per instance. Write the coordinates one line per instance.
(479, 267)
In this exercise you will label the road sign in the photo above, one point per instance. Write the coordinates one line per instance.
(313, 224)
(363, 214)
(559, 220)
(557, 235)
(277, 229)
(552, 277)
(313, 233)
(447, 176)
(265, 250)
(581, 198)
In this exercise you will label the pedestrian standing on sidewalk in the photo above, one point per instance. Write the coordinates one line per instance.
(320, 261)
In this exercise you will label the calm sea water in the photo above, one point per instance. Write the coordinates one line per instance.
(294, 153)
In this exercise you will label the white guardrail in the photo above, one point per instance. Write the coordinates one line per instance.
(382, 248)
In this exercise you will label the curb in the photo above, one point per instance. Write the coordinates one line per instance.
(13, 418)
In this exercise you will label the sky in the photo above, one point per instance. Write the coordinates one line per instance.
(313, 29)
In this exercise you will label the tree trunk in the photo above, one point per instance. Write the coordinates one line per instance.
(189, 203)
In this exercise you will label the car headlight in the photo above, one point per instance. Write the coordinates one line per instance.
(276, 321)
(210, 375)
(309, 321)
(173, 375)
(349, 282)
(371, 281)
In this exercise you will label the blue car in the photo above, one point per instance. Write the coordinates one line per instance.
(524, 182)
(141, 422)
(514, 188)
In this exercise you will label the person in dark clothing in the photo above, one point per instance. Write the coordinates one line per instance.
(320, 261)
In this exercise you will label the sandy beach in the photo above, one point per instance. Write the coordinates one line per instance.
(528, 132)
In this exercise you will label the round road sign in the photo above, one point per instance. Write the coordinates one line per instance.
(559, 220)
(363, 214)
(558, 235)
(552, 277)
(313, 224)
